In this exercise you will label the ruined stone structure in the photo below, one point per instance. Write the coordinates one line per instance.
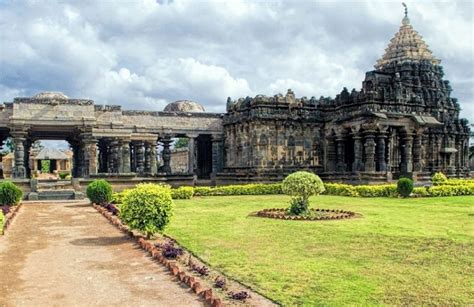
(108, 141)
(402, 122)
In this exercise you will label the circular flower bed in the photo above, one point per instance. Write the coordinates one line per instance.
(314, 214)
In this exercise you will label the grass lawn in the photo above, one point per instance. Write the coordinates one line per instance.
(401, 252)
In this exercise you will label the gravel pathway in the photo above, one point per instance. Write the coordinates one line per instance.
(67, 254)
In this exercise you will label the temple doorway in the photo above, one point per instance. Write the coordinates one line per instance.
(204, 157)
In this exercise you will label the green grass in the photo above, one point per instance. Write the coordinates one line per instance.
(401, 252)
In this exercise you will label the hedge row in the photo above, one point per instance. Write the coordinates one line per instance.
(454, 187)
(381, 190)
(244, 189)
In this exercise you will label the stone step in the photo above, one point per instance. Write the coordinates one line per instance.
(55, 195)
(62, 191)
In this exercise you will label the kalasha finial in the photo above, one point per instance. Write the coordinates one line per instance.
(405, 20)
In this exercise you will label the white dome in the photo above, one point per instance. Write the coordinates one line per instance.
(184, 106)
(50, 95)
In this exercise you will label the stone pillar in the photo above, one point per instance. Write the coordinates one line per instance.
(406, 165)
(369, 151)
(217, 154)
(166, 154)
(357, 165)
(191, 153)
(331, 155)
(125, 149)
(381, 149)
(417, 163)
(140, 157)
(90, 155)
(87, 155)
(19, 170)
(150, 157)
(340, 153)
(147, 158)
(27, 149)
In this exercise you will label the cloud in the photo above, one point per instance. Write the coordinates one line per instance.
(144, 54)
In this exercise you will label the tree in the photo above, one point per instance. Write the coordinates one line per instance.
(301, 185)
(181, 143)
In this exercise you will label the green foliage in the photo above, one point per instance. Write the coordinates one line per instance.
(45, 166)
(181, 143)
(420, 192)
(439, 178)
(341, 189)
(63, 174)
(451, 190)
(2, 221)
(301, 185)
(405, 187)
(298, 206)
(245, 189)
(378, 190)
(8, 147)
(182, 193)
(10, 194)
(117, 197)
(147, 208)
(99, 192)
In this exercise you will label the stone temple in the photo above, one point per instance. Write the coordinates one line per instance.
(402, 122)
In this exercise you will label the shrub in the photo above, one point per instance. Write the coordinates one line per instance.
(301, 185)
(420, 192)
(243, 189)
(451, 190)
(380, 190)
(341, 189)
(147, 208)
(10, 194)
(2, 222)
(182, 193)
(404, 187)
(117, 197)
(99, 192)
(439, 178)
(63, 175)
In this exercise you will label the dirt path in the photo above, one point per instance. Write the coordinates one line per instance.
(67, 254)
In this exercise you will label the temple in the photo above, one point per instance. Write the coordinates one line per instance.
(402, 122)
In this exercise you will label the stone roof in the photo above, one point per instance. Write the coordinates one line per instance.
(184, 106)
(406, 45)
(50, 95)
(51, 154)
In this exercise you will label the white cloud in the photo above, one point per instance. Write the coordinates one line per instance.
(144, 54)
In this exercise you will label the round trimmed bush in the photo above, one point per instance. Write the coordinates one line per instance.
(10, 194)
(147, 208)
(404, 187)
(99, 192)
(301, 185)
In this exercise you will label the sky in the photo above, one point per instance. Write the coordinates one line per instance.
(144, 54)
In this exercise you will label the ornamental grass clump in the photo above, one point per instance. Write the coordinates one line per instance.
(99, 192)
(405, 187)
(147, 208)
(10, 194)
(301, 185)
